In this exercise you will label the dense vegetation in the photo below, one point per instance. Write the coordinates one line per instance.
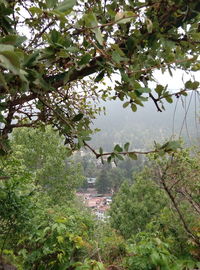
(154, 217)
(59, 58)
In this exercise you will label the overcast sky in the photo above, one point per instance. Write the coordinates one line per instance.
(175, 82)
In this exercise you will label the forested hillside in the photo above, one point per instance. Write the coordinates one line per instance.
(146, 125)
(153, 220)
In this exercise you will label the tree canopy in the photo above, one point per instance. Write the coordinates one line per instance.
(54, 56)
(55, 173)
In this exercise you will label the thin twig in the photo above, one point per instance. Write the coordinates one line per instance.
(4, 177)
(155, 102)
(37, 36)
(161, 65)
(98, 155)
(182, 219)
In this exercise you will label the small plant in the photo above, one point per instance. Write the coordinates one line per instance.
(89, 265)
(149, 252)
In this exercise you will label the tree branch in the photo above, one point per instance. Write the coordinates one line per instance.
(169, 193)
(155, 102)
(98, 155)
(59, 79)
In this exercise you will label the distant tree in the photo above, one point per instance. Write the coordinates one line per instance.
(36, 232)
(103, 183)
(16, 208)
(45, 155)
(135, 205)
(116, 177)
(164, 198)
(130, 166)
(179, 176)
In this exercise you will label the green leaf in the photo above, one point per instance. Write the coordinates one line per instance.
(125, 76)
(173, 146)
(184, 93)
(91, 22)
(13, 40)
(116, 57)
(135, 84)
(149, 25)
(36, 10)
(126, 104)
(3, 81)
(159, 89)
(98, 36)
(132, 156)
(51, 3)
(130, 44)
(100, 266)
(60, 239)
(195, 85)
(67, 75)
(169, 99)
(31, 59)
(100, 150)
(198, 264)
(161, 153)
(118, 148)
(117, 49)
(100, 76)
(144, 90)
(87, 138)
(39, 81)
(20, 40)
(78, 117)
(119, 157)
(132, 94)
(72, 49)
(85, 59)
(3, 106)
(10, 61)
(6, 48)
(188, 85)
(133, 107)
(63, 53)
(138, 101)
(155, 257)
(126, 146)
(192, 85)
(55, 35)
(124, 17)
(109, 159)
(66, 5)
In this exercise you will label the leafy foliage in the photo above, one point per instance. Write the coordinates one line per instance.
(178, 175)
(16, 208)
(57, 243)
(64, 42)
(41, 229)
(165, 210)
(150, 252)
(45, 155)
(135, 205)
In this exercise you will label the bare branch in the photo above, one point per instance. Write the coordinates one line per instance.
(170, 195)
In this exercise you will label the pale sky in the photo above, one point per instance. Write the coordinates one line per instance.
(175, 82)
